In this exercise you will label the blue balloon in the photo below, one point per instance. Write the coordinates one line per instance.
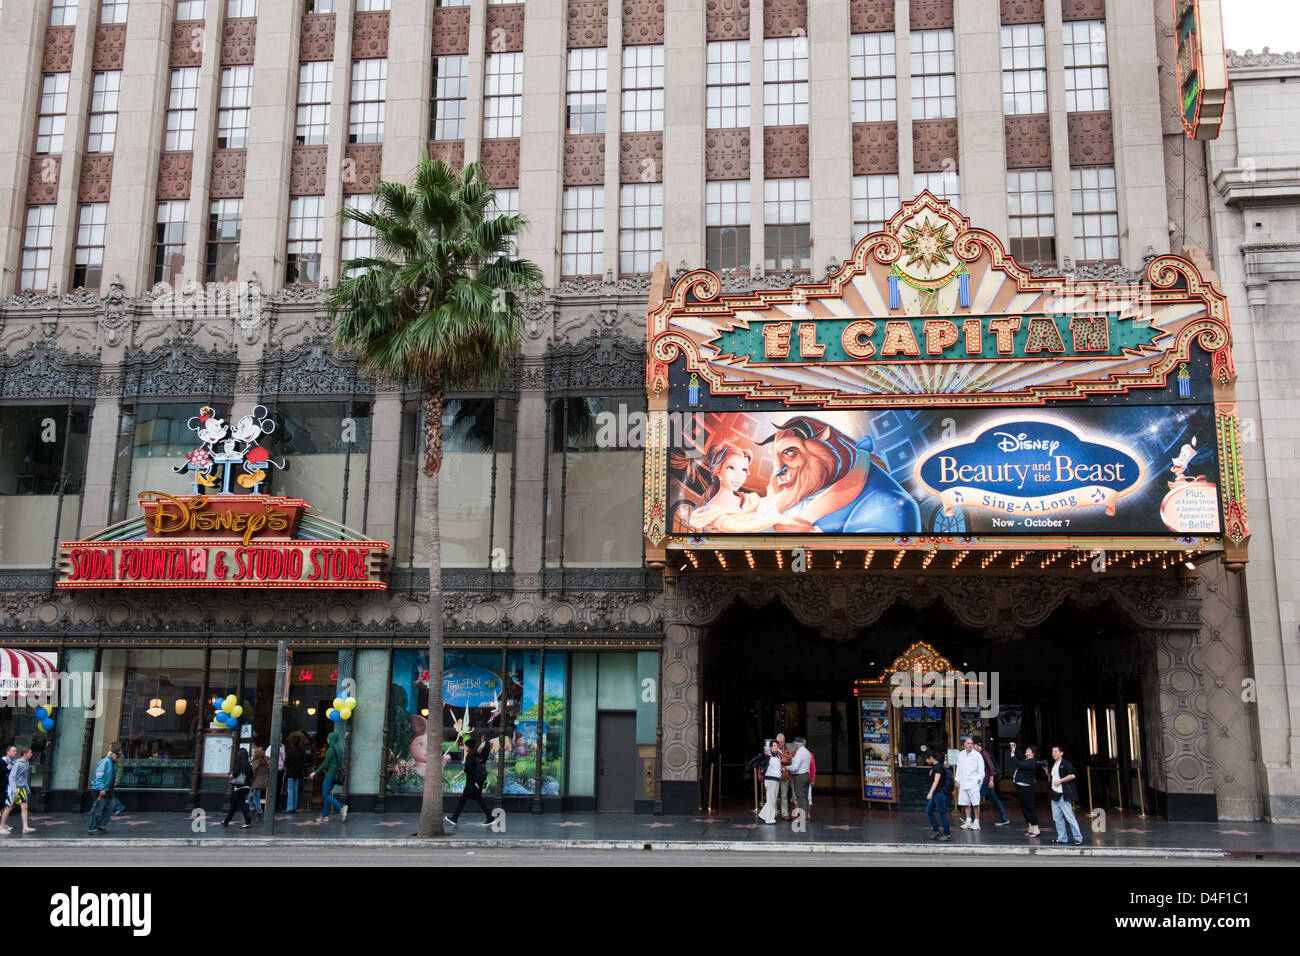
(334, 715)
(41, 713)
(47, 723)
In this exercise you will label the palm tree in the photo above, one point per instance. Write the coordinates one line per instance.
(435, 306)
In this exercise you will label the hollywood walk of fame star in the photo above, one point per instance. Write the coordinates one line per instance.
(1234, 833)
(655, 826)
(568, 823)
(844, 827)
(390, 823)
(744, 826)
(1133, 830)
(133, 823)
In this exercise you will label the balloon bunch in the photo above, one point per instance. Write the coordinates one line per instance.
(228, 711)
(342, 709)
(44, 718)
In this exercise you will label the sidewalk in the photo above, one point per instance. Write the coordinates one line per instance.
(877, 832)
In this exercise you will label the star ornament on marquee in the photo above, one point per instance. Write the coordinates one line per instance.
(927, 245)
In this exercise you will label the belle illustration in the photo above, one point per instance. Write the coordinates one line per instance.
(728, 509)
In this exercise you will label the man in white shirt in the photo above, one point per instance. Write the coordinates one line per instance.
(970, 775)
(800, 768)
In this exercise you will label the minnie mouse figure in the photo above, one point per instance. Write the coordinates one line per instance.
(210, 431)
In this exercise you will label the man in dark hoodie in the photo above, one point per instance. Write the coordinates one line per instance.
(331, 767)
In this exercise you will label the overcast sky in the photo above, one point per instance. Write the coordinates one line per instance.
(1255, 24)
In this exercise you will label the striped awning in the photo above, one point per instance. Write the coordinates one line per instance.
(26, 672)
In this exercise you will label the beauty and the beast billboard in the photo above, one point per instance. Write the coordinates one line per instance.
(933, 393)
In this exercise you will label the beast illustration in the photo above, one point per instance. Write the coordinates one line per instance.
(824, 478)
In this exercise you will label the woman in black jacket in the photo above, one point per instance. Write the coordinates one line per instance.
(475, 756)
(1025, 776)
(295, 768)
(241, 782)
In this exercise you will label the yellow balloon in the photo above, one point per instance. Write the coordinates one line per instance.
(338, 703)
(237, 711)
(350, 703)
(345, 713)
(227, 706)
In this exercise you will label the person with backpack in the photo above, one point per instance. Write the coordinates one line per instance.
(333, 770)
(1025, 775)
(989, 787)
(936, 806)
(475, 755)
(241, 782)
(102, 782)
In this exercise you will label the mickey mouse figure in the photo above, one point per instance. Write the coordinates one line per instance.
(210, 431)
(257, 459)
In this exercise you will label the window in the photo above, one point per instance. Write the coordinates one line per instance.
(934, 78)
(369, 90)
(112, 11)
(38, 243)
(42, 472)
(233, 111)
(787, 211)
(506, 203)
(640, 227)
(727, 92)
(873, 89)
(1087, 82)
(88, 255)
(302, 254)
(1024, 69)
(503, 96)
(582, 239)
(53, 113)
(358, 240)
(190, 9)
(225, 221)
(450, 82)
(364, 5)
(182, 106)
(785, 81)
(321, 6)
(726, 225)
(151, 438)
(1031, 224)
(102, 130)
(1096, 217)
(643, 89)
(875, 199)
(241, 8)
(169, 241)
(315, 87)
(327, 463)
(63, 13)
(944, 185)
(585, 102)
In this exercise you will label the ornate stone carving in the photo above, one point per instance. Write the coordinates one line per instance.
(96, 177)
(175, 173)
(871, 16)
(187, 44)
(643, 22)
(608, 286)
(311, 368)
(931, 14)
(56, 56)
(1264, 57)
(316, 38)
(1083, 10)
(500, 159)
(726, 153)
(116, 316)
(1183, 718)
(238, 40)
(782, 18)
(227, 173)
(641, 158)
(588, 24)
(1022, 11)
(505, 28)
(607, 322)
(584, 159)
(875, 148)
(1028, 141)
(365, 161)
(933, 142)
(1091, 272)
(785, 152)
(1091, 142)
(44, 371)
(596, 361)
(307, 171)
(726, 19)
(43, 180)
(369, 34)
(537, 315)
(110, 46)
(450, 151)
(179, 367)
(451, 31)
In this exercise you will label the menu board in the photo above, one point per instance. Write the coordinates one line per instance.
(877, 749)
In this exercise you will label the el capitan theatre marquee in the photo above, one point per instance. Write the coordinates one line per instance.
(933, 396)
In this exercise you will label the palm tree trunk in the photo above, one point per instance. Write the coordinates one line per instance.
(431, 809)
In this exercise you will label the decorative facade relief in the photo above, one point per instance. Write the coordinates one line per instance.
(238, 41)
(500, 159)
(643, 22)
(726, 153)
(187, 44)
(785, 152)
(1028, 140)
(110, 46)
(596, 361)
(1091, 142)
(588, 24)
(311, 368)
(369, 34)
(228, 173)
(641, 158)
(934, 143)
(364, 164)
(175, 174)
(785, 18)
(1184, 722)
(451, 31)
(875, 148)
(43, 180)
(450, 151)
(1083, 10)
(726, 20)
(179, 367)
(584, 159)
(56, 57)
(116, 319)
(96, 177)
(316, 38)
(307, 170)
(1021, 11)
(505, 28)
(871, 16)
(931, 14)
(45, 371)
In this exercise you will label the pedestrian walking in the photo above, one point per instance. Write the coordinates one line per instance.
(474, 755)
(970, 776)
(988, 787)
(1064, 793)
(331, 768)
(6, 764)
(771, 781)
(261, 765)
(241, 782)
(1026, 773)
(936, 801)
(16, 792)
(295, 768)
(801, 775)
(102, 782)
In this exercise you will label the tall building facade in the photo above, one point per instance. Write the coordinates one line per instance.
(171, 178)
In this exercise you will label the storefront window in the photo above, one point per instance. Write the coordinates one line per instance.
(152, 440)
(42, 471)
(18, 723)
(478, 434)
(327, 447)
(594, 482)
